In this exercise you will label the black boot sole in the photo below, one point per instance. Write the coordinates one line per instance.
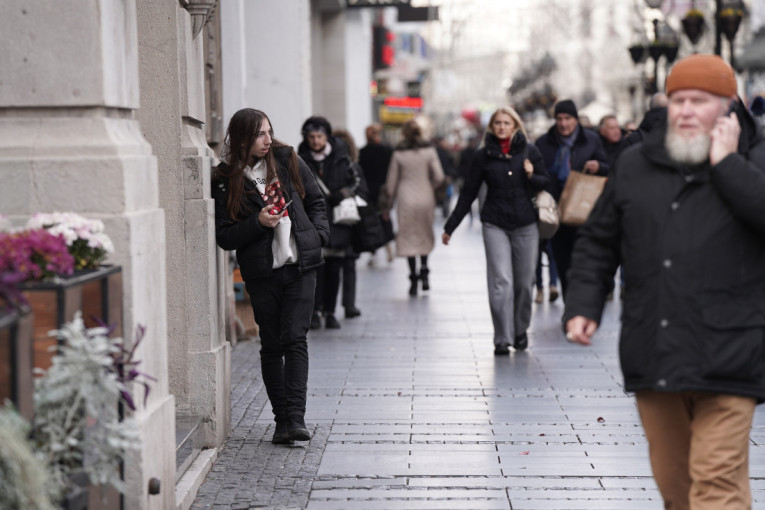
(281, 439)
(299, 435)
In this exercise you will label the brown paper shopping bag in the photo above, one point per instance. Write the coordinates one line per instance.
(578, 198)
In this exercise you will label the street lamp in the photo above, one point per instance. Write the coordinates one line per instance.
(693, 24)
(728, 18)
(664, 44)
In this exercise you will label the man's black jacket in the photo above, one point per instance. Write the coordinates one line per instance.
(692, 244)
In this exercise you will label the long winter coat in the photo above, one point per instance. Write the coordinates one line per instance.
(374, 159)
(342, 179)
(508, 191)
(587, 146)
(692, 244)
(252, 241)
(413, 176)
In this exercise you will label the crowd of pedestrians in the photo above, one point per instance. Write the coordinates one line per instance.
(681, 214)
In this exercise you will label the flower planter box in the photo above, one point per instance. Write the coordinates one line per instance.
(16, 358)
(98, 293)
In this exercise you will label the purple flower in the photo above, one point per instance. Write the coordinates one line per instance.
(34, 254)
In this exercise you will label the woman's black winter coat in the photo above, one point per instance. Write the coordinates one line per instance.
(692, 244)
(252, 241)
(341, 177)
(508, 191)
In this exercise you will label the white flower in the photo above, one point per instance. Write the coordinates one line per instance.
(72, 227)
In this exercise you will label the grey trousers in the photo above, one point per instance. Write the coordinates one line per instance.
(511, 258)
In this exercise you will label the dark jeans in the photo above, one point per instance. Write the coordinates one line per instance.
(328, 285)
(552, 268)
(562, 247)
(283, 303)
(349, 281)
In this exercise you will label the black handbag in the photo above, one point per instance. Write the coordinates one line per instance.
(369, 233)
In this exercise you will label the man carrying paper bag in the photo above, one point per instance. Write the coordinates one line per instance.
(570, 150)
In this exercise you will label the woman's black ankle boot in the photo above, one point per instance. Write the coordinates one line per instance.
(414, 279)
(424, 278)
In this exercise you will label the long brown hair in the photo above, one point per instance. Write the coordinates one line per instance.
(412, 136)
(243, 129)
(347, 137)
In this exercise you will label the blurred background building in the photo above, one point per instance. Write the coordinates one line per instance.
(118, 110)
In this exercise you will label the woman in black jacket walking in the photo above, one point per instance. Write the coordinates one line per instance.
(513, 170)
(268, 207)
(328, 158)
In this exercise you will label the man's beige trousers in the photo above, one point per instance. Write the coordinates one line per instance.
(699, 448)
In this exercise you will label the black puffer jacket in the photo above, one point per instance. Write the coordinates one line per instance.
(587, 146)
(252, 241)
(655, 118)
(341, 177)
(508, 190)
(692, 244)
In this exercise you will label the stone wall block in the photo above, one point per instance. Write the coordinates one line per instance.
(105, 163)
(211, 394)
(140, 250)
(45, 65)
(16, 191)
(155, 459)
(192, 69)
(202, 288)
(71, 133)
(197, 163)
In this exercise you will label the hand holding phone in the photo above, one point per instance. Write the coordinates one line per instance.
(725, 135)
(281, 209)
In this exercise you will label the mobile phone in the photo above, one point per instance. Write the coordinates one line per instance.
(731, 107)
(281, 210)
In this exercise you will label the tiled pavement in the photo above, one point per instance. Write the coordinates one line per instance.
(410, 409)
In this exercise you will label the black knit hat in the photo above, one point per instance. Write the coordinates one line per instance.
(566, 106)
(316, 123)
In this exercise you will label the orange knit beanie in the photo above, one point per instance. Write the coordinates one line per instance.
(703, 72)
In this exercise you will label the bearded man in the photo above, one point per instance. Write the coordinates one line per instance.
(684, 213)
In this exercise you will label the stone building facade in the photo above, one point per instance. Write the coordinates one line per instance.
(116, 110)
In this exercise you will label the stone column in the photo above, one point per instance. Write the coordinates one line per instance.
(267, 62)
(70, 141)
(172, 116)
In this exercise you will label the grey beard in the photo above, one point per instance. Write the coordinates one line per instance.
(692, 151)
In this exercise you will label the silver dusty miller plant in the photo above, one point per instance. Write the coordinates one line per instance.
(77, 427)
(23, 478)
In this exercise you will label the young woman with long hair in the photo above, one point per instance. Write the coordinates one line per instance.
(269, 208)
(513, 171)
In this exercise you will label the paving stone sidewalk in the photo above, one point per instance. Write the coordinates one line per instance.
(410, 409)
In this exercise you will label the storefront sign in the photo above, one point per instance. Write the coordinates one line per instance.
(376, 3)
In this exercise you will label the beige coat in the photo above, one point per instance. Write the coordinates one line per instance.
(413, 175)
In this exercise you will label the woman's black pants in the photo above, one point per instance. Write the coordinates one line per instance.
(328, 285)
(283, 303)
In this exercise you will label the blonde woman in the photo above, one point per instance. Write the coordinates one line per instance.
(513, 171)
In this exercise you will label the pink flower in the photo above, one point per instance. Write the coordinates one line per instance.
(85, 238)
(34, 254)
